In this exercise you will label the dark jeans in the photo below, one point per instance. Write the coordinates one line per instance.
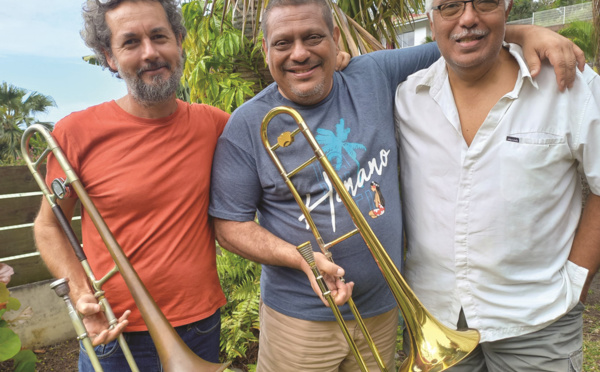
(202, 337)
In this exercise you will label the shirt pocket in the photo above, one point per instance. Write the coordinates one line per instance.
(531, 164)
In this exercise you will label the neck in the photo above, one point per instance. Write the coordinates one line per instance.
(153, 111)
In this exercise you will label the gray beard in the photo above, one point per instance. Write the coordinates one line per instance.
(159, 90)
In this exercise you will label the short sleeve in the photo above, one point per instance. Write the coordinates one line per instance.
(235, 184)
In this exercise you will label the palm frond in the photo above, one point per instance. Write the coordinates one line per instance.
(365, 25)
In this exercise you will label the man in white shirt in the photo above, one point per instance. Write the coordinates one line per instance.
(490, 173)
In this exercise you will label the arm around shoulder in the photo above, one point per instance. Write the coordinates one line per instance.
(539, 43)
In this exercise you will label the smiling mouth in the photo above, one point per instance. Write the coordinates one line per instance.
(299, 70)
(470, 38)
(152, 68)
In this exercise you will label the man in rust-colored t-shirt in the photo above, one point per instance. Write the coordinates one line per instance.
(145, 161)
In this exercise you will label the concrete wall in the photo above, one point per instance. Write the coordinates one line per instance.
(50, 322)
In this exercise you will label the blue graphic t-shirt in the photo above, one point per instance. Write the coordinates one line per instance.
(354, 125)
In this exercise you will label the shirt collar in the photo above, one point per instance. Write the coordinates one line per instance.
(435, 77)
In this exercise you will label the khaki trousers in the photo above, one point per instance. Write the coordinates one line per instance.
(288, 344)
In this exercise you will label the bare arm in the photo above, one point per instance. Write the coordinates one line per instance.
(55, 250)
(586, 246)
(251, 241)
(58, 255)
(539, 43)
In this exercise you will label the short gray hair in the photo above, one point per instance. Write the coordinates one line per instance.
(96, 33)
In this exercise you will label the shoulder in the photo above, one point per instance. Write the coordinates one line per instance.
(591, 78)
(256, 107)
(202, 114)
(92, 113)
(429, 76)
(586, 82)
(203, 109)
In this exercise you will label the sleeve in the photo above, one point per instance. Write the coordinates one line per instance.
(589, 155)
(398, 64)
(235, 190)
(220, 118)
(68, 145)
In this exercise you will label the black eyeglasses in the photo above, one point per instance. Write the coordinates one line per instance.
(455, 9)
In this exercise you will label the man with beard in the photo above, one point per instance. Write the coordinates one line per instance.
(145, 160)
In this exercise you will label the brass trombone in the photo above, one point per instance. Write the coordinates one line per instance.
(174, 354)
(433, 346)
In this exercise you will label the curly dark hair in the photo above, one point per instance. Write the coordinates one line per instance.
(96, 33)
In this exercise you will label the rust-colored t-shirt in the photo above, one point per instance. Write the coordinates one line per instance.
(150, 180)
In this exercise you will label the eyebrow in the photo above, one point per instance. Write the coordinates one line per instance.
(154, 31)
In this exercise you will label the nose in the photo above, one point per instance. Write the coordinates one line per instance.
(469, 16)
(149, 51)
(299, 52)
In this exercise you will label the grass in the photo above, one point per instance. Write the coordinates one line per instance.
(591, 338)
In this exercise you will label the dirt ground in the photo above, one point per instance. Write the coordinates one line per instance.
(63, 357)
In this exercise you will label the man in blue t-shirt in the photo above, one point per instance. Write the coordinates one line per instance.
(351, 115)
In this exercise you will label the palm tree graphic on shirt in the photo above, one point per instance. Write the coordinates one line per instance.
(334, 145)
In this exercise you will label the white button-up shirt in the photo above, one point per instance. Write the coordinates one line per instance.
(490, 226)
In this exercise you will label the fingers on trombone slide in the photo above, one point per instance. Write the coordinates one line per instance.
(328, 276)
(96, 324)
(107, 335)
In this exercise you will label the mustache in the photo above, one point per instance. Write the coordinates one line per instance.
(153, 66)
(467, 33)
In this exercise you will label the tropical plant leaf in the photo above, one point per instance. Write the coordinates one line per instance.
(10, 344)
(25, 361)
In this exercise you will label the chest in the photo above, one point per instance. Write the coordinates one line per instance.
(142, 168)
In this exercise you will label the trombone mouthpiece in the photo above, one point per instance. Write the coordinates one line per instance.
(306, 251)
(61, 287)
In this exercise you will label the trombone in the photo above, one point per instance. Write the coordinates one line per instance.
(174, 354)
(433, 346)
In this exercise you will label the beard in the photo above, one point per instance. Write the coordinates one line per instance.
(159, 89)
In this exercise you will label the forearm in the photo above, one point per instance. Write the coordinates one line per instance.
(57, 253)
(251, 241)
(586, 245)
(515, 34)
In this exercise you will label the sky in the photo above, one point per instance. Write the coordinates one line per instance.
(41, 50)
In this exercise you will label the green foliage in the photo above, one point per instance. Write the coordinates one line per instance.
(584, 36)
(378, 18)
(363, 24)
(18, 108)
(216, 55)
(10, 343)
(239, 317)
